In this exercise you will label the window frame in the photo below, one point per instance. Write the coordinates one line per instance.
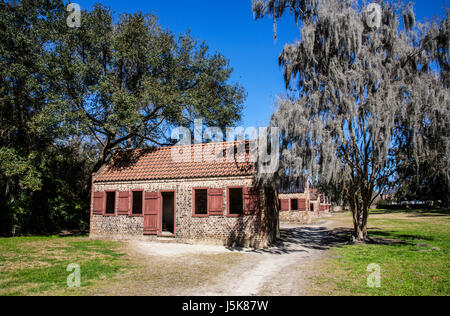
(194, 214)
(142, 203)
(106, 203)
(290, 205)
(228, 201)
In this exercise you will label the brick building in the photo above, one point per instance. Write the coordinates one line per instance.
(299, 203)
(198, 195)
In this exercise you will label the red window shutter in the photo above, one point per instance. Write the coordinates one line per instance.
(124, 203)
(99, 203)
(215, 202)
(151, 213)
(284, 205)
(302, 204)
(251, 201)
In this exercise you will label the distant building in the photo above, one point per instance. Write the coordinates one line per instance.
(299, 203)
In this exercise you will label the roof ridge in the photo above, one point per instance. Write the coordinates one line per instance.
(191, 145)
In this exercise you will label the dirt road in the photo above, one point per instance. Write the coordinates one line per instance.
(283, 269)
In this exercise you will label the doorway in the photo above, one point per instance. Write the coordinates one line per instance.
(168, 212)
(311, 207)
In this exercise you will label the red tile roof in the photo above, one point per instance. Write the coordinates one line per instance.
(159, 163)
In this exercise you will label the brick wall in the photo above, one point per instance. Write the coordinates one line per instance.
(249, 230)
(295, 217)
(292, 216)
(303, 217)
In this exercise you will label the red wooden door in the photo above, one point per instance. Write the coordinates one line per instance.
(152, 213)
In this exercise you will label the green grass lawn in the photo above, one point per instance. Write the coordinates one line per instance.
(38, 265)
(409, 265)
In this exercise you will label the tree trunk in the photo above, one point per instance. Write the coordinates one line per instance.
(361, 232)
(360, 213)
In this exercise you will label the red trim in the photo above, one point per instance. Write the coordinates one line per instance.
(300, 202)
(193, 203)
(251, 202)
(283, 202)
(98, 195)
(152, 214)
(228, 201)
(105, 203)
(212, 195)
(122, 195)
(162, 211)
(130, 213)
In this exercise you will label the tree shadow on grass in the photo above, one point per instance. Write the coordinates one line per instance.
(305, 238)
(59, 234)
(391, 237)
(429, 214)
(426, 212)
(73, 233)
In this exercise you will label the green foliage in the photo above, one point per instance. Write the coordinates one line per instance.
(62, 201)
(128, 83)
(12, 165)
(72, 97)
(26, 137)
(381, 204)
(424, 178)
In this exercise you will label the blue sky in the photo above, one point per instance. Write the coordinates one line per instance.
(228, 26)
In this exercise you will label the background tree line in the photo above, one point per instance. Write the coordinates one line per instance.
(72, 97)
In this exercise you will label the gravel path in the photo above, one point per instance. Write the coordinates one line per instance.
(279, 270)
(283, 269)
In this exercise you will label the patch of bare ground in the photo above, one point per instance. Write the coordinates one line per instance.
(286, 268)
(295, 279)
(156, 274)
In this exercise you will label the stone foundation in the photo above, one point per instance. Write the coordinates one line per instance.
(302, 217)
